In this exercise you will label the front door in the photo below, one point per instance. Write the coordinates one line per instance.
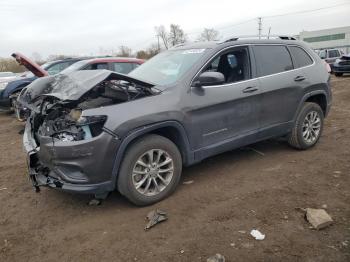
(223, 113)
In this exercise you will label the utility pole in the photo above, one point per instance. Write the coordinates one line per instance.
(268, 36)
(260, 26)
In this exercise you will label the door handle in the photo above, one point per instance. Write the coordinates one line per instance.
(299, 78)
(250, 89)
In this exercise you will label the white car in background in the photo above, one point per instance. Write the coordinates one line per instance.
(7, 76)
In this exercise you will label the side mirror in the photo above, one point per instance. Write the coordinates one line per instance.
(209, 79)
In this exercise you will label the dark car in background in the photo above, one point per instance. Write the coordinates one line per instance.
(330, 56)
(97, 131)
(10, 90)
(122, 65)
(341, 65)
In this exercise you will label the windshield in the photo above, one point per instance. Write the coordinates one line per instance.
(167, 67)
(74, 67)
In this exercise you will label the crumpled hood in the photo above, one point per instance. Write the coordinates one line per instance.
(71, 86)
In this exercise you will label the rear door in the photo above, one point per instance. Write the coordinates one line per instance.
(281, 88)
(219, 114)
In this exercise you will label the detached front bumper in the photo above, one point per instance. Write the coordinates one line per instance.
(81, 166)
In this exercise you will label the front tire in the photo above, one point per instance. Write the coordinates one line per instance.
(307, 127)
(150, 170)
(338, 74)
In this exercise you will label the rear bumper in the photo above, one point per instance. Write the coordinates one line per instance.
(341, 68)
(58, 173)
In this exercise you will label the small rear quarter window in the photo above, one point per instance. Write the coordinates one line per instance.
(301, 58)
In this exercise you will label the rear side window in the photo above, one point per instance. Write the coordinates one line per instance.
(333, 53)
(123, 67)
(272, 59)
(301, 58)
(96, 66)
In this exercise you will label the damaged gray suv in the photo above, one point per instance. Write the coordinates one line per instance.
(97, 131)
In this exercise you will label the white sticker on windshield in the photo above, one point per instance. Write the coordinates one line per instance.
(193, 51)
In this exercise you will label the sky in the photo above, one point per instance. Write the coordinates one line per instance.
(98, 27)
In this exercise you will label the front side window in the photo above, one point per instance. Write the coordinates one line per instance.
(123, 67)
(233, 64)
(167, 67)
(272, 59)
(301, 58)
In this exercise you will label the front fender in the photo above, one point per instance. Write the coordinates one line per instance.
(189, 156)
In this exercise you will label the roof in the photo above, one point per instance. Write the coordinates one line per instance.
(115, 59)
(233, 41)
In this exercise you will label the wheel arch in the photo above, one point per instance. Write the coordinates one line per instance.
(172, 130)
(319, 97)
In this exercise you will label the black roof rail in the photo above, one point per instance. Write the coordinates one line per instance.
(282, 37)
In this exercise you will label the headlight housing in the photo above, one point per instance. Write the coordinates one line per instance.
(3, 85)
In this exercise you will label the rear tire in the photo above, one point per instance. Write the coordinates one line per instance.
(150, 170)
(307, 127)
(338, 74)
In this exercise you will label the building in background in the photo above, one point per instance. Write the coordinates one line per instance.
(328, 38)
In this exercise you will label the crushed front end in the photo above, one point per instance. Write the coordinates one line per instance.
(66, 148)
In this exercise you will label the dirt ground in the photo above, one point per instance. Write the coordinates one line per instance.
(231, 194)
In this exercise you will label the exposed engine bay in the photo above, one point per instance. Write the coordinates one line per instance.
(63, 119)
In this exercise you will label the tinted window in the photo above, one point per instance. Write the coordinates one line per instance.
(234, 65)
(333, 53)
(301, 58)
(96, 66)
(272, 59)
(123, 68)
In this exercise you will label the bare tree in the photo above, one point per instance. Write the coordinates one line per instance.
(124, 51)
(176, 35)
(149, 53)
(56, 57)
(163, 34)
(10, 65)
(209, 34)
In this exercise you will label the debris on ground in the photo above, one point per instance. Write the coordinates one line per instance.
(324, 206)
(95, 202)
(182, 251)
(242, 231)
(188, 182)
(216, 258)
(4, 188)
(257, 234)
(318, 218)
(154, 217)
